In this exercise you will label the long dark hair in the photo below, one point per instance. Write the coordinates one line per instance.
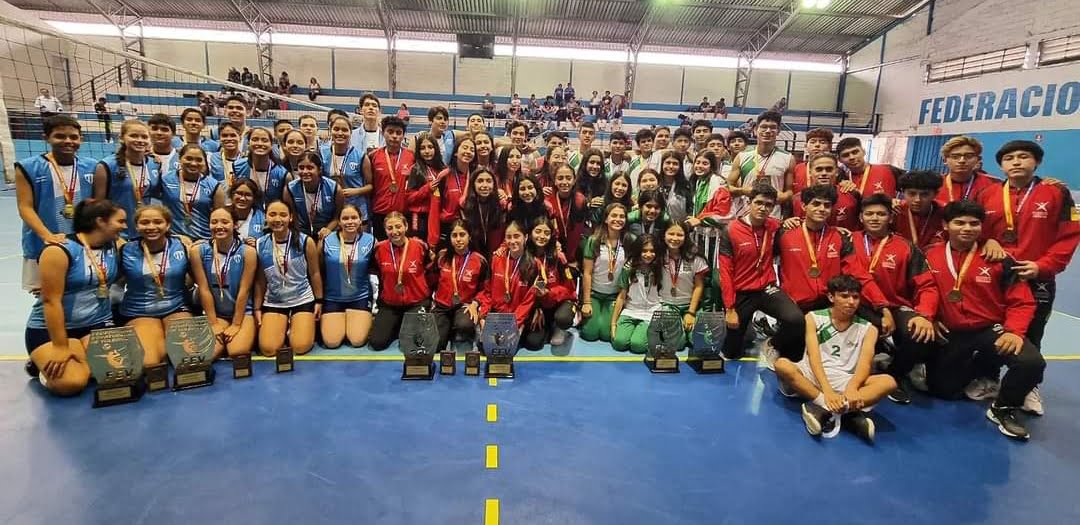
(502, 168)
(270, 154)
(526, 266)
(713, 166)
(687, 251)
(682, 187)
(600, 229)
(471, 210)
(88, 211)
(626, 200)
(294, 229)
(634, 262)
(448, 249)
(588, 185)
(523, 212)
(418, 174)
(546, 173)
(285, 156)
(654, 196)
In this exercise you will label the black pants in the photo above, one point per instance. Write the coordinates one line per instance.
(454, 325)
(908, 352)
(387, 323)
(377, 226)
(561, 317)
(791, 331)
(954, 366)
(106, 120)
(1045, 292)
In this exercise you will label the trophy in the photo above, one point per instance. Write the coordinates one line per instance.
(190, 345)
(283, 361)
(116, 362)
(707, 343)
(666, 336)
(447, 362)
(499, 341)
(472, 362)
(157, 377)
(241, 366)
(418, 338)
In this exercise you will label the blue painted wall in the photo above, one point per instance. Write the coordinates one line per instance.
(1062, 151)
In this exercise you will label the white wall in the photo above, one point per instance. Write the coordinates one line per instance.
(223, 56)
(426, 72)
(539, 75)
(656, 83)
(359, 69)
(814, 91)
(598, 76)
(188, 55)
(962, 28)
(767, 87)
(476, 76)
(708, 82)
(302, 63)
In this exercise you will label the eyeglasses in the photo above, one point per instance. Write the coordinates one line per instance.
(962, 156)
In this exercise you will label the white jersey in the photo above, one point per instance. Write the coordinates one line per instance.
(839, 350)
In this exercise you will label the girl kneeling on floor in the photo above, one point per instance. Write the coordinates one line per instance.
(462, 273)
(346, 257)
(510, 288)
(401, 263)
(224, 272)
(639, 296)
(555, 290)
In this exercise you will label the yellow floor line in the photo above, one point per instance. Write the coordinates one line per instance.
(493, 381)
(492, 413)
(492, 457)
(491, 512)
(525, 359)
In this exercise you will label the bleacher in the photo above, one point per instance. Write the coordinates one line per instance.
(172, 97)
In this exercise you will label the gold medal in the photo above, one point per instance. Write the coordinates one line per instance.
(69, 211)
(1009, 236)
(814, 272)
(955, 296)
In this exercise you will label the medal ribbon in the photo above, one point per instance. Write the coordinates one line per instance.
(99, 266)
(138, 184)
(1006, 198)
(613, 255)
(159, 275)
(454, 271)
(350, 257)
(865, 177)
(916, 235)
(278, 255)
(227, 168)
(675, 269)
(877, 252)
(967, 191)
(189, 202)
(761, 244)
(810, 245)
(404, 257)
(314, 211)
(68, 188)
(393, 167)
(222, 268)
(507, 275)
(959, 277)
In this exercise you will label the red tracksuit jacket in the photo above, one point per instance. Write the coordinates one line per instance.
(452, 192)
(900, 273)
(845, 213)
(568, 214)
(1047, 227)
(929, 229)
(745, 258)
(492, 297)
(413, 278)
(471, 273)
(835, 255)
(882, 179)
(560, 287)
(992, 293)
(968, 191)
(385, 176)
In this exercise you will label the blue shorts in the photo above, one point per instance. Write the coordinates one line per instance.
(122, 320)
(333, 307)
(36, 337)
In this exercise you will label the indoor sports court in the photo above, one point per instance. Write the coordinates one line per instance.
(582, 433)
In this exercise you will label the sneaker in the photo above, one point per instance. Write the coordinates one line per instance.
(900, 396)
(769, 354)
(558, 337)
(764, 327)
(981, 388)
(860, 424)
(31, 369)
(786, 391)
(917, 377)
(1033, 402)
(1007, 422)
(815, 418)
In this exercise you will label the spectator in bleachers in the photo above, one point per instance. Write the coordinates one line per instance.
(234, 76)
(720, 109)
(516, 111)
(104, 118)
(487, 107)
(569, 93)
(403, 112)
(606, 99)
(748, 127)
(126, 109)
(704, 107)
(314, 89)
(367, 136)
(575, 113)
(48, 104)
(594, 102)
(246, 78)
(257, 83)
(284, 83)
(780, 106)
(559, 95)
(549, 112)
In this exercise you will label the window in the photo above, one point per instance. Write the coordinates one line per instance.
(1059, 50)
(975, 65)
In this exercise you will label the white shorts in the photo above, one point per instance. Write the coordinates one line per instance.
(31, 276)
(838, 380)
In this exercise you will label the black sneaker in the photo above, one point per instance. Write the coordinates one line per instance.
(861, 425)
(31, 369)
(815, 417)
(900, 396)
(1007, 422)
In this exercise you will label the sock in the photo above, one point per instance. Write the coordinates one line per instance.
(820, 401)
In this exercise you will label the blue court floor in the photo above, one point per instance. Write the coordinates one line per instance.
(583, 436)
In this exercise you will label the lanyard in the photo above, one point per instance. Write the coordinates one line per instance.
(507, 275)
(612, 256)
(189, 202)
(227, 169)
(564, 217)
(314, 211)
(99, 267)
(393, 167)
(222, 268)
(404, 257)
(764, 165)
(877, 252)
(916, 235)
(1006, 197)
(68, 187)
(967, 191)
(959, 277)
(138, 184)
(865, 177)
(266, 178)
(455, 275)
(278, 256)
(159, 274)
(543, 269)
(760, 244)
(810, 245)
(350, 257)
(674, 269)
(340, 169)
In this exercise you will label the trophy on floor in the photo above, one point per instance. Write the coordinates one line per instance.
(666, 336)
(190, 345)
(283, 360)
(418, 338)
(116, 362)
(499, 341)
(447, 362)
(707, 343)
(241, 366)
(472, 362)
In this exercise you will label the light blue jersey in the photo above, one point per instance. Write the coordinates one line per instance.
(122, 187)
(352, 286)
(142, 297)
(49, 199)
(348, 171)
(272, 182)
(198, 197)
(286, 273)
(314, 210)
(225, 276)
(82, 305)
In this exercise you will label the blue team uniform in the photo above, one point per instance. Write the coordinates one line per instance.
(82, 306)
(197, 226)
(285, 290)
(121, 186)
(232, 266)
(355, 286)
(141, 295)
(323, 207)
(49, 199)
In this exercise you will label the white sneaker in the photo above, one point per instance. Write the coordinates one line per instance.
(981, 389)
(558, 337)
(1033, 402)
(917, 376)
(769, 354)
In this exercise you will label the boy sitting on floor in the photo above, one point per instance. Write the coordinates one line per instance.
(835, 372)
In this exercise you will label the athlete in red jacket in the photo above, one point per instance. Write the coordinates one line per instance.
(388, 168)
(401, 266)
(918, 218)
(510, 288)
(845, 212)
(460, 274)
(963, 181)
(866, 178)
(554, 288)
